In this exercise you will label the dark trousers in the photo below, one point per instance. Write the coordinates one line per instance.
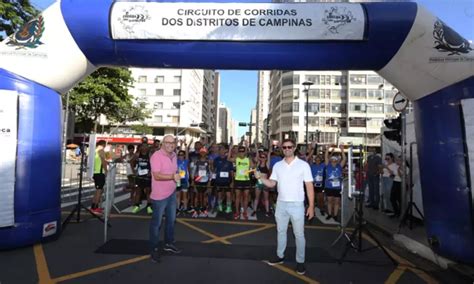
(374, 190)
(396, 197)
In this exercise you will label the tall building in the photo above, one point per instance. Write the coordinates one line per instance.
(253, 125)
(210, 103)
(343, 106)
(263, 94)
(176, 99)
(224, 126)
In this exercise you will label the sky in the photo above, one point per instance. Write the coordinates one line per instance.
(239, 88)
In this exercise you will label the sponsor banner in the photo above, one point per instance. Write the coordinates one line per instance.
(8, 140)
(468, 113)
(432, 57)
(237, 21)
(50, 229)
(44, 51)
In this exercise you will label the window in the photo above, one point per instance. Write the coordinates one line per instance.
(358, 79)
(142, 92)
(375, 108)
(290, 94)
(358, 93)
(177, 92)
(374, 80)
(296, 120)
(141, 79)
(159, 79)
(313, 93)
(336, 94)
(375, 94)
(286, 121)
(158, 118)
(375, 122)
(159, 92)
(174, 118)
(336, 108)
(312, 78)
(325, 93)
(290, 80)
(357, 107)
(158, 105)
(357, 122)
(289, 107)
(313, 107)
(177, 79)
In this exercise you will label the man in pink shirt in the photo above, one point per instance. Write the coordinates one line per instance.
(164, 168)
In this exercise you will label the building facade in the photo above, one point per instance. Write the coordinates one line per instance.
(340, 106)
(176, 99)
(263, 94)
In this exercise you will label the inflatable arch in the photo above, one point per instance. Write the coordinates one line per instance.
(430, 63)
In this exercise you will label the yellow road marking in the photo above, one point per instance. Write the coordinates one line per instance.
(405, 263)
(395, 275)
(41, 265)
(100, 268)
(239, 234)
(215, 238)
(293, 273)
(204, 232)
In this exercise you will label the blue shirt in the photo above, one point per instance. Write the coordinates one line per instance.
(274, 160)
(183, 166)
(223, 169)
(333, 177)
(318, 174)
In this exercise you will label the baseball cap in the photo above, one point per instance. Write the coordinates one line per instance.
(203, 150)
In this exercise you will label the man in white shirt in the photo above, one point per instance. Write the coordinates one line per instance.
(290, 174)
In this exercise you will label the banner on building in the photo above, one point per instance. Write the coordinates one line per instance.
(8, 140)
(237, 21)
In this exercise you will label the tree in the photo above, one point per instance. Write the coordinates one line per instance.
(13, 14)
(105, 92)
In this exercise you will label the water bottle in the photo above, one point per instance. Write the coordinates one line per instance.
(178, 183)
(258, 175)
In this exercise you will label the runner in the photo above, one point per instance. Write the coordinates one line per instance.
(332, 185)
(242, 182)
(264, 171)
(201, 183)
(183, 186)
(143, 179)
(224, 171)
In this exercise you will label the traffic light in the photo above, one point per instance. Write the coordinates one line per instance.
(395, 132)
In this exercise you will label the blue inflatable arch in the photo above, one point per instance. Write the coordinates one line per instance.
(430, 63)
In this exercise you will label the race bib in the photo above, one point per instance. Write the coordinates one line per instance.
(202, 173)
(213, 176)
(335, 183)
(242, 172)
(319, 178)
(224, 174)
(142, 172)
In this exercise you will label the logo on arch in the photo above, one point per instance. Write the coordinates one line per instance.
(133, 16)
(447, 40)
(29, 35)
(336, 17)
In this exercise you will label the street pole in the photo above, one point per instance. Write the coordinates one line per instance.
(307, 120)
(307, 86)
(403, 165)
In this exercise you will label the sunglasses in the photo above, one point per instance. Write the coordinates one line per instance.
(241, 151)
(287, 147)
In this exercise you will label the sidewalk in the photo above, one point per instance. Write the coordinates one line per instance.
(413, 240)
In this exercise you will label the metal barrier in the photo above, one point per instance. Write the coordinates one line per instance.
(70, 182)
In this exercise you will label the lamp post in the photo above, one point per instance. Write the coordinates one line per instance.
(307, 86)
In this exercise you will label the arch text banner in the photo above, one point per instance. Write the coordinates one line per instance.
(237, 21)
